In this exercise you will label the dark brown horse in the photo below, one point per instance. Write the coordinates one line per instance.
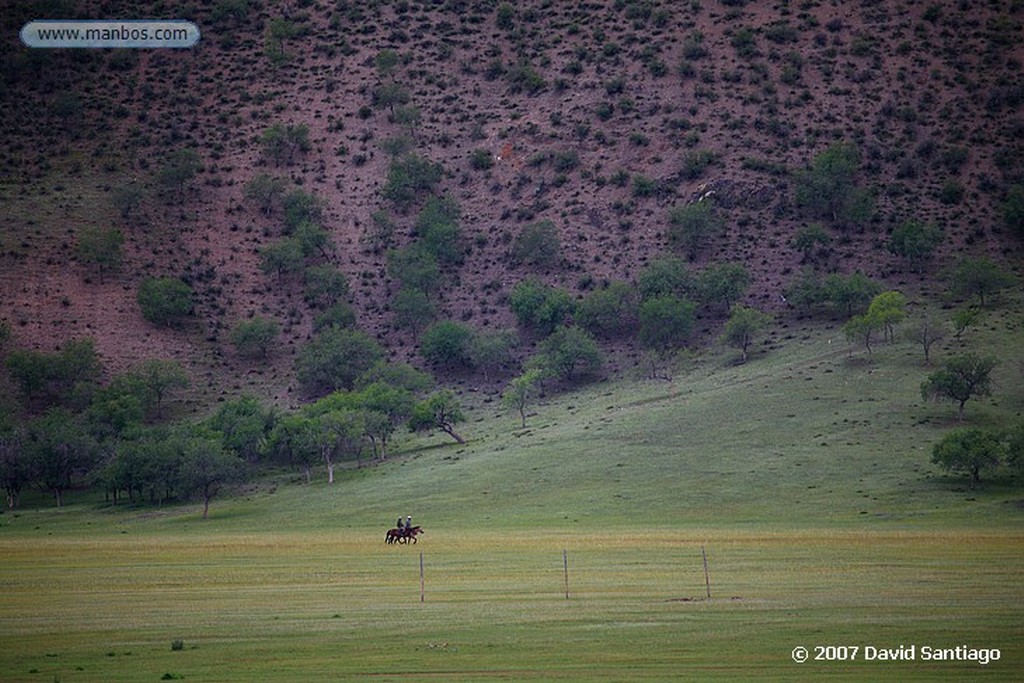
(402, 535)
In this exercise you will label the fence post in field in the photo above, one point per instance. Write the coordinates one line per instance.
(707, 577)
(422, 593)
(565, 566)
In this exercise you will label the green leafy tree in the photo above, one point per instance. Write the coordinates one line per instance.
(253, 338)
(206, 466)
(963, 318)
(334, 359)
(808, 239)
(158, 377)
(960, 379)
(666, 322)
(165, 300)
(828, 188)
(540, 306)
(437, 227)
(610, 311)
(413, 309)
(415, 267)
(887, 310)
(127, 198)
(66, 377)
(325, 286)
(521, 391)
(969, 451)
(491, 352)
(60, 449)
(390, 95)
(387, 61)
(282, 144)
(691, 226)
(282, 257)
(850, 295)
(569, 353)
(409, 177)
(301, 207)
(340, 315)
(979, 277)
(537, 245)
(742, 326)
(176, 174)
(245, 426)
(438, 411)
(665, 276)
(279, 31)
(447, 343)
(15, 472)
(915, 242)
(100, 248)
(393, 403)
(313, 240)
(400, 375)
(862, 327)
(265, 191)
(723, 283)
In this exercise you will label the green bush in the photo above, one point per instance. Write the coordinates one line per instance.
(413, 309)
(415, 267)
(409, 177)
(253, 338)
(164, 301)
(537, 244)
(692, 225)
(666, 322)
(569, 353)
(447, 343)
(325, 285)
(334, 359)
(540, 306)
(610, 311)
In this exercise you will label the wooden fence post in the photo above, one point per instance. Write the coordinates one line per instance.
(422, 593)
(565, 566)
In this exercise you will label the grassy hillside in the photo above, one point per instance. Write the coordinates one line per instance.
(804, 474)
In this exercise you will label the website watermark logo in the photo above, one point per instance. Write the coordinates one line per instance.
(86, 34)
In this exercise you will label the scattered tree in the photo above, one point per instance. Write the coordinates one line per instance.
(887, 310)
(926, 333)
(409, 177)
(282, 257)
(692, 225)
(540, 306)
(439, 411)
(569, 353)
(415, 267)
(969, 451)
(521, 391)
(962, 378)
(413, 309)
(979, 277)
(206, 467)
(742, 326)
(164, 301)
(492, 351)
(60, 449)
(325, 286)
(723, 283)
(964, 318)
(808, 239)
(175, 176)
(666, 322)
(100, 248)
(1013, 209)
(537, 245)
(447, 343)
(915, 242)
(334, 359)
(281, 143)
(253, 338)
(828, 188)
(609, 311)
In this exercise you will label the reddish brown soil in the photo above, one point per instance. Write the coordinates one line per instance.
(905, 86)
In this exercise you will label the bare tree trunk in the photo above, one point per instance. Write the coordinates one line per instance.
(452, 433)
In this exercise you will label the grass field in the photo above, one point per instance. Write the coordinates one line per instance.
(805, 474)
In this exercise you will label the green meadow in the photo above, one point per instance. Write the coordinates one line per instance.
(571, 549)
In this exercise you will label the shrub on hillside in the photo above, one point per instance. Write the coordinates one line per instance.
(609, 311)
(540, 306)
(447, 343)
(537, 244)
(164, 300)
(334, 359)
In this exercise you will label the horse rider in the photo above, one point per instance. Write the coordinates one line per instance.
(408, 524)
